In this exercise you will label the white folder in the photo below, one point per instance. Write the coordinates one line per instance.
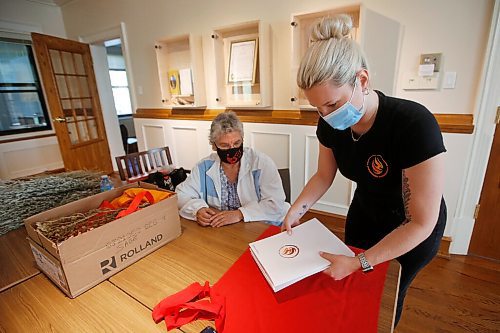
(285, 259)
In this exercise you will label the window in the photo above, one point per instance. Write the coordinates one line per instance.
(118, 76)
(119, 85)
(22, 106)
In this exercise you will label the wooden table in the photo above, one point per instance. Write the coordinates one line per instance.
(205, 254)
(37, 305)
(124, 302)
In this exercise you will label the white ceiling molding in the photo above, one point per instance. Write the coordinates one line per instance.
(57, 3)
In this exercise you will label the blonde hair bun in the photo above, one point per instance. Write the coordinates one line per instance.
(332, 54)
(337, 27)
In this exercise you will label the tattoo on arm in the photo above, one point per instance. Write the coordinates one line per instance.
(406, 197)
(304, 209)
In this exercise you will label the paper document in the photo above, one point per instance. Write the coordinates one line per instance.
(186, 82)
(285, 259)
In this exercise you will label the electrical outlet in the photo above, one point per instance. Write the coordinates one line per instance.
(415, 82)
(431, 58)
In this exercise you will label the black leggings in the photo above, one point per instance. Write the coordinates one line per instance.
(364, 232)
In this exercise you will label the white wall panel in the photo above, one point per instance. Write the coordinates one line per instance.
(458, 148)
(23, 158)
(277, 146)
(153, 136)
(337, 197)
(184, 146)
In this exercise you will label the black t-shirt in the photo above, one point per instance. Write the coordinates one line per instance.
(403, 135)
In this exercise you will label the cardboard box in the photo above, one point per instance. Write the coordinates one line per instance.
(79, 263)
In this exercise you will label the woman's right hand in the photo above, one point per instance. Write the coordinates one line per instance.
(203, 215)
(291, 220)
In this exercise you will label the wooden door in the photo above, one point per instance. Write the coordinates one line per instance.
(485, 241)
(70, 86)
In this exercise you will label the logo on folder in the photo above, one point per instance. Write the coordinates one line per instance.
(289, 251)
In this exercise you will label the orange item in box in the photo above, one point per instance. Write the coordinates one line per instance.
(126, 198)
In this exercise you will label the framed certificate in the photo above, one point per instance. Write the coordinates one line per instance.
(243, 61)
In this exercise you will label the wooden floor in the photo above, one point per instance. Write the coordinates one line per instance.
(457, 295)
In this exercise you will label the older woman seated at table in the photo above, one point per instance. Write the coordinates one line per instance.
(234, 184)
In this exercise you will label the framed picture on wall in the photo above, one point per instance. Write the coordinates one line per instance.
(243, 60)
(174, 82)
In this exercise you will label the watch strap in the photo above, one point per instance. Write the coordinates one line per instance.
(365, 265)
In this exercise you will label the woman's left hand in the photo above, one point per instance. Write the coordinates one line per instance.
(341, 266)
(226, 217)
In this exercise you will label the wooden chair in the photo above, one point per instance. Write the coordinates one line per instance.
(129, 144)
(137, 166)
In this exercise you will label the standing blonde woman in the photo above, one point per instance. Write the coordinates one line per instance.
(392, 148)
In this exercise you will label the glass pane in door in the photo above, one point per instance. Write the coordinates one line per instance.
(74, 90)
(92, 128)
(55, 59)
(82, 129)
(75, 96)
(84, 86)
(61, 86)
(80, 69)
(73, 135)
(68, 63)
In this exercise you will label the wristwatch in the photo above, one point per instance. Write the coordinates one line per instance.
(365, 265)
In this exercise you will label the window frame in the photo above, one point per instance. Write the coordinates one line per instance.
(37, 87)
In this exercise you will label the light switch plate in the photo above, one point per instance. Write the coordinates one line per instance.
(449, 80)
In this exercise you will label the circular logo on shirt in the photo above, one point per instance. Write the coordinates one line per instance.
(289, 251)
(377, 166)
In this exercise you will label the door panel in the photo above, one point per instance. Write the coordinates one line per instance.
(69, 83)
(485, 241)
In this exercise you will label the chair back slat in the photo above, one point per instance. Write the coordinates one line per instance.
(134, 166)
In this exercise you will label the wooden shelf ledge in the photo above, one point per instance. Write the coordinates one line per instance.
(449, 123)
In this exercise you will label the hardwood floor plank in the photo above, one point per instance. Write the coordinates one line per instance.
(16, 262)
(457, 295)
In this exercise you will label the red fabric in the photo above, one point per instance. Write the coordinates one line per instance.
(242, 301)
(315, 304)
(188, 305)
(134, 205)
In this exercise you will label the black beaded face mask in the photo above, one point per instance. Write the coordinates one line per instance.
(231, 155)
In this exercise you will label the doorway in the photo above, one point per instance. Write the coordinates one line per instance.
(121, 93)
(99, 43)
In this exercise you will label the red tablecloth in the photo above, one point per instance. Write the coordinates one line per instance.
(315, 304)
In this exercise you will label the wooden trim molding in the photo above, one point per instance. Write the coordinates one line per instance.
(336, 223)
(27, 138)
(449, 123)
(455, 123)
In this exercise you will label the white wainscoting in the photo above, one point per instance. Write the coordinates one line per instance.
(295, 147)
(276, 145)
(185, 145)
(28, 157)
(153, 136)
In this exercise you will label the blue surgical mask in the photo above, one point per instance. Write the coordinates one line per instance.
(345, 116)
